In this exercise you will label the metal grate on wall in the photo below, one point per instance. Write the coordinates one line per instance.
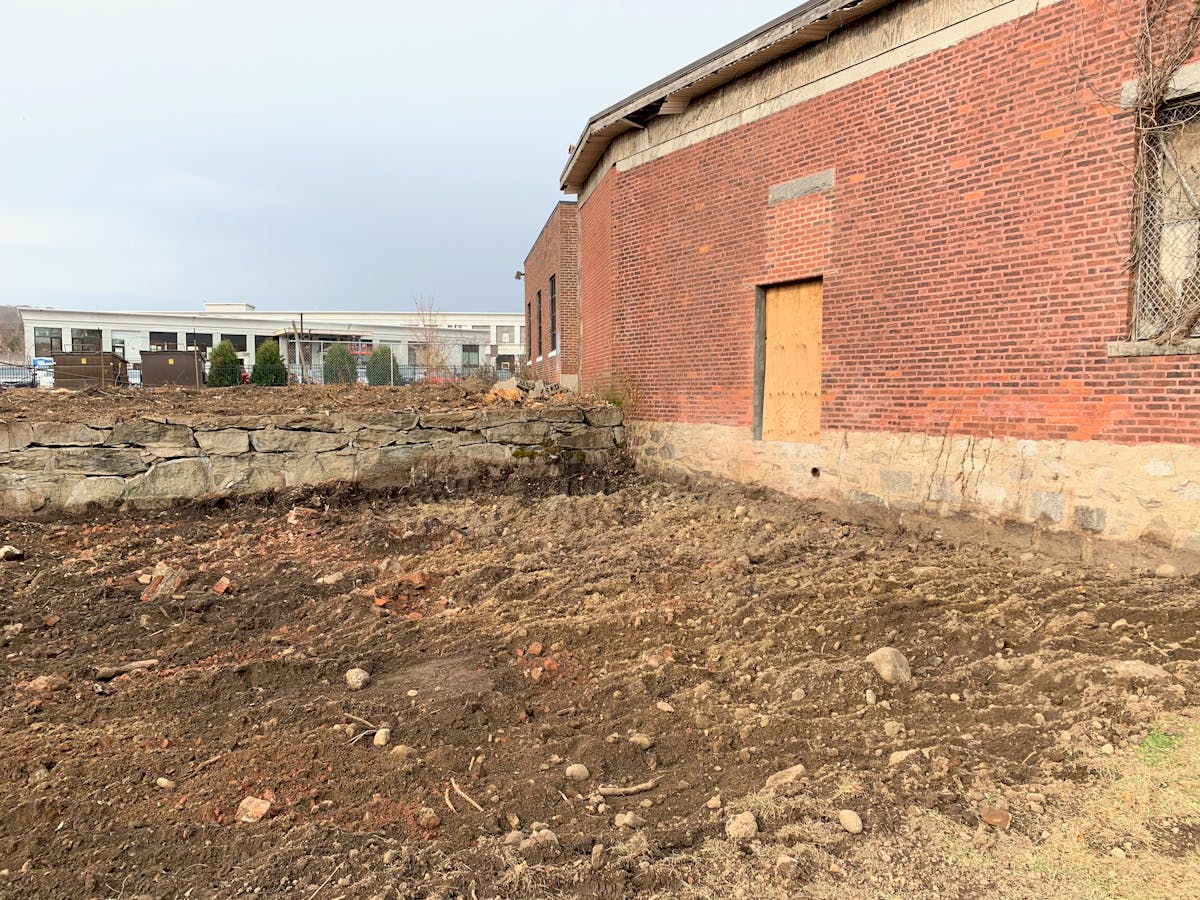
(1167, 261)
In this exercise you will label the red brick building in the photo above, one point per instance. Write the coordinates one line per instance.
(552, 299)
(880, 251)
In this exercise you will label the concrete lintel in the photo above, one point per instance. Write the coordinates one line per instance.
(1150, 348)
(1184, 82)
(802, 187)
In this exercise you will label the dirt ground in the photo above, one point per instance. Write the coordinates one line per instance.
(123, 403)
(682, 644)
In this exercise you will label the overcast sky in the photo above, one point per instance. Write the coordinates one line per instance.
(302, 154)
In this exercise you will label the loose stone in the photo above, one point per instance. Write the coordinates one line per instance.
(891, 665)
(357, 679)
(742, 827)
(851, 821)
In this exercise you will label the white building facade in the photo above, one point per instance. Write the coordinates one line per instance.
(456, 340)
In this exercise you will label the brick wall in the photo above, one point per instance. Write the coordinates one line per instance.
(973, 249)
(554, 253)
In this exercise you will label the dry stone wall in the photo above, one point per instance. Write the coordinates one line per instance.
(47, 466)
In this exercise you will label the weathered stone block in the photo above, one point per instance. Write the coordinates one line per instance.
(604, 415)
(32, 459)
(1047, 507)
(452, 418)
(492, 418)
(15, 436)
(394, 420)
(306, 423)
(1091, 518)
(101, 491)
(141, 432)
(247, 474)
(558, 414)
(67, 434)
(591, 439)
(896, 482)
(172, 479)
(519, 433)
(229, 442)
(100, 461)
(275, 440)
(318, 468)
(491, 454)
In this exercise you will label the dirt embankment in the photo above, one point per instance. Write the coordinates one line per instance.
(243, 400)
(675, 649)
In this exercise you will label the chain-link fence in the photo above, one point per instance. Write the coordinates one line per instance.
(1167, 252)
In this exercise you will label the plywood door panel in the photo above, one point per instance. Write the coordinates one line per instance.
(792, 377)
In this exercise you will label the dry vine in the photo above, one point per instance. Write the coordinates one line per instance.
(1168, 36)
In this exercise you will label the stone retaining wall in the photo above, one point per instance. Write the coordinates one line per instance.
(1140, 492)
(46, 466)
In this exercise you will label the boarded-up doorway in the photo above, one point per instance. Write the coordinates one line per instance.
(788, 363)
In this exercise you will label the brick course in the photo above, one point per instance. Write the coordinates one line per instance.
(973, 249)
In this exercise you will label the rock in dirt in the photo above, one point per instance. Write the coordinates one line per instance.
(357, 679)
(578, 772)
(891, 665)
(382, 737)
(900, 757)
(253, 809)
(787, 776)
(742, 827)
(851, 821)
(713, 803)
(45, 683)
(995, 816)
(9, 553)
(642, 741)
(405, 752)
(166, 784)
(892, 728)
(1166, 570)
(428, 819)
(108, 673)
(628, 820)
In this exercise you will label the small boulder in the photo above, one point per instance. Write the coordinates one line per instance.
(9, 553)
(996, 817)
(628, 820)
(1166, 570)
(253, 809)
(46, 683)
(851, 821)
(642, 741)
(891, 665)
(742, 827)
(578, 772)
(382, 737)
(357, 679)
(787, 776)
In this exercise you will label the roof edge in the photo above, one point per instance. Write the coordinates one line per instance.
(748, 53)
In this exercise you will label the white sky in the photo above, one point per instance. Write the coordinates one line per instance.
(302, 154)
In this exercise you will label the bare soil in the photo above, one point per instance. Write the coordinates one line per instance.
(509, 637)
(125, 403)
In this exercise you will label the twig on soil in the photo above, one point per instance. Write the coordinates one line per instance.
(321, 886)
(360, 720)
(610, 790)
(208, 762)
(449, 805)
(363, 734)
(459, 791)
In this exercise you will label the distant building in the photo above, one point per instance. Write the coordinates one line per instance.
(452, 339)
(552, 299)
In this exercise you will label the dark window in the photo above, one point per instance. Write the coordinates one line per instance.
(416, 353)
(527, 331)
(85, 340)
(198, 339)
(470, 354)
(260, 339)
(238, 341)
(539, 324)
(118, 347)
(47, 341)
(164, 340)
(553, 314)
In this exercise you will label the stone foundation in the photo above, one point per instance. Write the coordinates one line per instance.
(1146, 492)
(48, 466)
